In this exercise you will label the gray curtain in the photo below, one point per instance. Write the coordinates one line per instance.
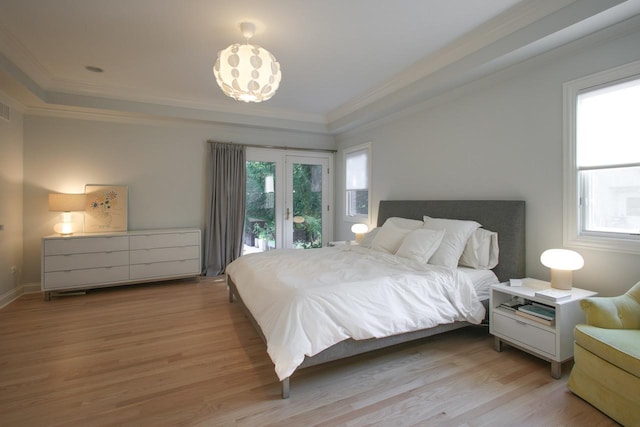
(225, 206)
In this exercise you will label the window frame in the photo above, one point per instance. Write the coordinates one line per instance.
(573, 235)
(357, 218)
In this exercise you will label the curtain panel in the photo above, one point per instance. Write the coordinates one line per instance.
(224, 226)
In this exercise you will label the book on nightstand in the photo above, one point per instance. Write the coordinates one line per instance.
(553, 294)
(547, 313)
(535, 318)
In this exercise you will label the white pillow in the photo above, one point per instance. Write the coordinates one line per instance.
(367, 239)
(456, 234)
(389, 238)
(481, 251)
(410, 224)
(419, 245)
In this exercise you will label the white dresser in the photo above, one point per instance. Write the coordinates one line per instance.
(90, 260)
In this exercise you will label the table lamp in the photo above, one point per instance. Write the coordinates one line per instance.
(66, 203)
(359, 230)
(562, 262)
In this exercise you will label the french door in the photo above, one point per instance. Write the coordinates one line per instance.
(288, 200)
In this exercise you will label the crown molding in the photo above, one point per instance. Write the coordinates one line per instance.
(22, 58)
(565, 25)
(516, 18)
(529, 28)
(613, 32)
(228, 106)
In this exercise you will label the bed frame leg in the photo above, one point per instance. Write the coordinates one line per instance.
(230, 294)
(285, 388)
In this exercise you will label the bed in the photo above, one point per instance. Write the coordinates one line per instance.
(327, 340)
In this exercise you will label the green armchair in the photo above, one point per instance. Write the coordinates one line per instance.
(606, 372)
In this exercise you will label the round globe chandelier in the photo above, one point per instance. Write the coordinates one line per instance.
(247, 72)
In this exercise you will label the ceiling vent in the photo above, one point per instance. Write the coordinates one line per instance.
(5, 112)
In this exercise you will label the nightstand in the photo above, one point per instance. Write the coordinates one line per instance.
(553, 343)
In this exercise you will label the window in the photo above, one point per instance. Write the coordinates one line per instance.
(602, 160)
(357, 182)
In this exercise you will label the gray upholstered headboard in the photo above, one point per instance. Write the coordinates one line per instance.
(506, 217)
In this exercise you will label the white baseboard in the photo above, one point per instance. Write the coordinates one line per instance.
(12, 295)
(30, 288)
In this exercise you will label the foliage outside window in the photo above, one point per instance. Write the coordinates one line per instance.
(357, 183)
(307, 205)
(602, 160)
(260, 204)
(260, 224)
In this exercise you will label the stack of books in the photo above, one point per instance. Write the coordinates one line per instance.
(540, 313)
(511, 305)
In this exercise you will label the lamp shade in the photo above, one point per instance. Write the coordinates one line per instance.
(562, 262)
(60, 202)
(247, 72)
(562, 259)
(359, 228)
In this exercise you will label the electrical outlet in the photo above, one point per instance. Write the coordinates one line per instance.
(14, 269)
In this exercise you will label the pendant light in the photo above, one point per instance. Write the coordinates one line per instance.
(247, 72)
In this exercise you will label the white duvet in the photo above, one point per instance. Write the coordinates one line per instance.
(308, 300)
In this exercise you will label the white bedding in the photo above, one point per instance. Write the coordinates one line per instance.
(481, 280)
(308, 300)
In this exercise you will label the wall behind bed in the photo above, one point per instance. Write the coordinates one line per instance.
(497, 138)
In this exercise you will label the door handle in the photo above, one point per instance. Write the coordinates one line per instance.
(288, 214)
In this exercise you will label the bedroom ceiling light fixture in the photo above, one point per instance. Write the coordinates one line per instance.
(247, 72)
(562, 262)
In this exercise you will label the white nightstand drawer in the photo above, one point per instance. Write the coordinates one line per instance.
(524, 333)
(82, 261)
(166, 240)
(89, 276)
(142, 256)
(85, 245)
(168, 269)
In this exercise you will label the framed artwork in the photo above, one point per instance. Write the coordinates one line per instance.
(106, 208)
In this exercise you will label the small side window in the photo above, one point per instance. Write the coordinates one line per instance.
(357, 183)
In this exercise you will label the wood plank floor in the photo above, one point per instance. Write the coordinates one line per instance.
(179, 354)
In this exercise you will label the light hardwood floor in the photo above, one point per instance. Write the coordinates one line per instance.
(179, 354)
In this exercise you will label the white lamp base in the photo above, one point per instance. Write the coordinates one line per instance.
(63, 228)
(561, 279)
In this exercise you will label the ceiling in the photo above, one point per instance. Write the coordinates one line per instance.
(344, 62)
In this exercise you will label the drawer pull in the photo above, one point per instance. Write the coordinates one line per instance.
(521, 322)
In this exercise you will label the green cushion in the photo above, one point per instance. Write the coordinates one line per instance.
(620, 347)
(621, 312)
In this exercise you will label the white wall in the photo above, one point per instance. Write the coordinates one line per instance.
(498, 138)
(162, 163)
(11, 176)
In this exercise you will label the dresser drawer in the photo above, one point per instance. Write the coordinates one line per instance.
(189, 267)
(82, 261)
(86, 245)
(143, 256)
(524, 333)
(86, 277)
(165, 240)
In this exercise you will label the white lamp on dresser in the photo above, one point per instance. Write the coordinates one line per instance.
(66, 203)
